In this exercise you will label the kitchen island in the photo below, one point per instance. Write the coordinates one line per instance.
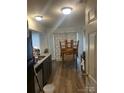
(43, 69)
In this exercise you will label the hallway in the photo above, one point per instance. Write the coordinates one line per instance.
(67, 79)
(55, 21)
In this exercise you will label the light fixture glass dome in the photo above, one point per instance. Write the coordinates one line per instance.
(66, 10)
(39, 18)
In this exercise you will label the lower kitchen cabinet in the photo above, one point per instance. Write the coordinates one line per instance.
(47, 65)
(43, 72)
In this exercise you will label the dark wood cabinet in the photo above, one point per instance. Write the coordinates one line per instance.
(43, 71)
(30, 79)
(38, 80)
(47, 68)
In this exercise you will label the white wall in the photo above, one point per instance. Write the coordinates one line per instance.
(81, 41)
(44, 41)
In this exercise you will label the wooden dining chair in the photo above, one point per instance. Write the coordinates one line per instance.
(68, 48)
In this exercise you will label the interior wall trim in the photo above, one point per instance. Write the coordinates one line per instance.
(93, 79)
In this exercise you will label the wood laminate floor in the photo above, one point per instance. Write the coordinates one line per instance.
(67, 79)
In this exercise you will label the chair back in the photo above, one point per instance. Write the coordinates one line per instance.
(69, 44)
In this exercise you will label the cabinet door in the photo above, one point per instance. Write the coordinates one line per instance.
(92, 55)
(45, 72)
(30, 79)
(49, 61)
(47, 68)
(40, 81)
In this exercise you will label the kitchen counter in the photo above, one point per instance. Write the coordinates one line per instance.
(42, 60)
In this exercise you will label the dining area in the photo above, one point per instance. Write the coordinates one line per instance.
(69, 47)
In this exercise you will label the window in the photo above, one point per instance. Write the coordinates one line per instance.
(36, 39)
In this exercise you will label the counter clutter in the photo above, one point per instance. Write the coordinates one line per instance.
(44, 56)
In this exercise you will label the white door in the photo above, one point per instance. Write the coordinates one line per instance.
(92, 62)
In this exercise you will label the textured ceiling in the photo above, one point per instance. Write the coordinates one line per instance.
(51, 11)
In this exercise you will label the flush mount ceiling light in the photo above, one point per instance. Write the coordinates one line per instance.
(39, 18)
(66, 10)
